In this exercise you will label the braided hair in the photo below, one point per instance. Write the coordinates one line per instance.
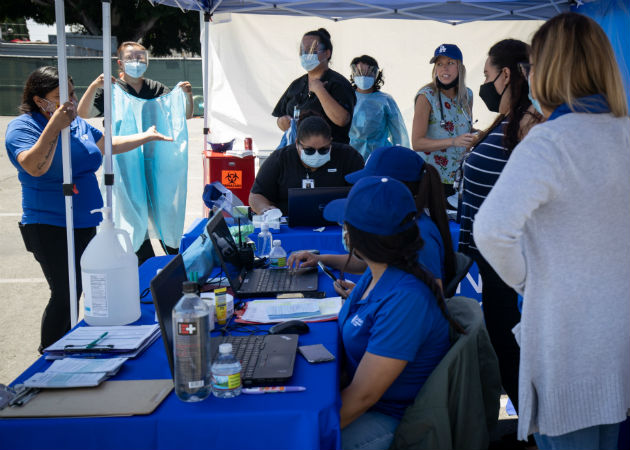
(400, 251)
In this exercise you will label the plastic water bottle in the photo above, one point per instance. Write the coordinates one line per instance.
(226, 373)
(277, 256)
(109, 274)
(191, 346)
(263, 246)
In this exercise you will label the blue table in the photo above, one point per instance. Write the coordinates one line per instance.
(305, 420)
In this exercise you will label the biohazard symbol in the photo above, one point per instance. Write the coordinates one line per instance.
(232, 178)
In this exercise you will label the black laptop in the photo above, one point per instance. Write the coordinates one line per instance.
(266, 359)
(306, 206)
(255, 282)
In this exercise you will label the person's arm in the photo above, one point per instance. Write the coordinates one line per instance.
(122, 144)
(187, 87)
(85, 109)
(420, 142)
(396, 124)
(264, 192)
(37, 160)
(373, 377)
(333, 110)
(259, 203)
(338, 262)
(280, 111)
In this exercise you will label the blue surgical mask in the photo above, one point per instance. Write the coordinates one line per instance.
(309, 61)
(135, 69)
(344, 236)
(364, 83)
(533, 100)
(315, 160)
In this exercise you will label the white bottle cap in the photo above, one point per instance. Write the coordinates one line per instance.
(276, 242)
(225, 348)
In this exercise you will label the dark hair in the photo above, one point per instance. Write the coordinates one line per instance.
(508, 53)
(39, 83)
(122, 46)
(312, 125)
(400, 251)
(324, 38)
(365, 59)
(429, 193)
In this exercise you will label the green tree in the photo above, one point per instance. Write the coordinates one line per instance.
(13, 28)
(162, 29)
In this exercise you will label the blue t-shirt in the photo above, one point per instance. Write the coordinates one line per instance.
(400, 319)
(42, 197)
(431, 255)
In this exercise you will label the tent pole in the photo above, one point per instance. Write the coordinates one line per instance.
(205, 63)
(107, 92)
(65, 151)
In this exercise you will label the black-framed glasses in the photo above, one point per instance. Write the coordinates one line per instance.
(311, 151)
(525, 68)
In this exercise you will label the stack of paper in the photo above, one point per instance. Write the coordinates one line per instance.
(126, 341)
(75, 372)
(279, 310)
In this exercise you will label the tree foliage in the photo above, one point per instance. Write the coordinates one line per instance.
(162, 29)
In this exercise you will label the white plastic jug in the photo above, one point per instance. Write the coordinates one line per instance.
(109, 274)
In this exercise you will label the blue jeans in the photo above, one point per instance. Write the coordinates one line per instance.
(602, 437)
(373, 431)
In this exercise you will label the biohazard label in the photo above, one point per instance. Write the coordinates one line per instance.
(232, 178)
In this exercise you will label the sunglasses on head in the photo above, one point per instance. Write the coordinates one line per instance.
(311, 151)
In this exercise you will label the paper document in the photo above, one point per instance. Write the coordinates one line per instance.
(82, 365)
(64, 380)
(120, 338)
(279, 310)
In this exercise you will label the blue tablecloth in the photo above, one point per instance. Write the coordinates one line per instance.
(304, 420)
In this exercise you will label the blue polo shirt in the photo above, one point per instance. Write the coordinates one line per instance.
(42, 197)
(431, 255)
(399, 319)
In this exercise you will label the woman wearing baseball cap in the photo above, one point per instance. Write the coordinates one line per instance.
(442, 118)
(389, 354)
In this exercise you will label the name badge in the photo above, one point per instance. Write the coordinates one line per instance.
(308, 183)
(332, 170)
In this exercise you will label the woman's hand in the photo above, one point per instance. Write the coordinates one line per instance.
(99, 82)
(463, 140)
(302, 259)
(284, 122)
(315, 85)
(63, 116)
(343, 287)
(152, 135)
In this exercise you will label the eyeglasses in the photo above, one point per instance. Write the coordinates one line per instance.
(311, 151)
(525, 68)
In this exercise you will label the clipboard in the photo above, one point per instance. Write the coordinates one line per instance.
(111, 398)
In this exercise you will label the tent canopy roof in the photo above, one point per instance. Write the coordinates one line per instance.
(447, 11)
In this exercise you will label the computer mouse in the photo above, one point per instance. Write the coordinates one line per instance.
(290, 327)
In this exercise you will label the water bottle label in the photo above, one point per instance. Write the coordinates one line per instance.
(278, 263)
(226, 382)
(95, 299)
(195, 384)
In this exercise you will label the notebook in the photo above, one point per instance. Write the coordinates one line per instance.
(265, 359)
(306, 206)
(255, 282)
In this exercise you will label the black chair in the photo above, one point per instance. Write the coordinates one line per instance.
(462, 266)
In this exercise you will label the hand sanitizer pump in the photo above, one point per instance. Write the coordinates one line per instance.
(109, 274)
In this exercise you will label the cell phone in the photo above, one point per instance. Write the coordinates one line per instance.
(327, 271)
(316, 353)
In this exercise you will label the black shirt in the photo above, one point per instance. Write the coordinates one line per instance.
(150, 89)
(283, 169)
(297, 94)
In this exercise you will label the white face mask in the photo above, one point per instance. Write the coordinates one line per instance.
(309, 61)
(364, 83)
(135, 69)
(50, 107)
(315, 160)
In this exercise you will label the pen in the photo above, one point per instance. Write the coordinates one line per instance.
(97, 340)
(273, 389)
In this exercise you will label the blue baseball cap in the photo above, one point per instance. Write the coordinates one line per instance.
(450, 50)
(377, 205)
(400, 163)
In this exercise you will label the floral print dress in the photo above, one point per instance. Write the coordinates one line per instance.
(457, 122)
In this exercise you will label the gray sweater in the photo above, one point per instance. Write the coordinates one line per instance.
(556, 227)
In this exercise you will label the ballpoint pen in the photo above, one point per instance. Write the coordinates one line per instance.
(97, 340)
(273, 389)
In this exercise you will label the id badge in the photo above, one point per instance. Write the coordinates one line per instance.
(308, 183)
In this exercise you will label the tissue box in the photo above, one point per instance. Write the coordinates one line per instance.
(258, 220)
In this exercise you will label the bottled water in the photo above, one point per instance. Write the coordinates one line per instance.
(226, 373)
(277, 256)
(191, 346)
(263, 246)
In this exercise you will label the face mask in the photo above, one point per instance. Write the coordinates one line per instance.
(533, 100)
(364, 83)
(446, 87)
(135, 69)
(50, 107)
(309, 61)
(344, 236)
(490, 96)
(315, 160)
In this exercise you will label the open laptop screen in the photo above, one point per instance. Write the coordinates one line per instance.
(227, 250)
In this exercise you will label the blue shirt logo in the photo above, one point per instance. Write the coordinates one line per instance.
(356, 321)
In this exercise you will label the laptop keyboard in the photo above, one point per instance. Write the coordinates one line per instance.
(247, 350)
(275, 281)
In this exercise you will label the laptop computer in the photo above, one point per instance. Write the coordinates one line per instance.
(306, 206)
(255, 282)
(265, 359)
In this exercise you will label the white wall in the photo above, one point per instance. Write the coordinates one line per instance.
(255, 58)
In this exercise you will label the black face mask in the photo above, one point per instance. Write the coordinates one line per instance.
(446, 87)
(490, 96)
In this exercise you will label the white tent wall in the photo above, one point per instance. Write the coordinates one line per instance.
(255, 58)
